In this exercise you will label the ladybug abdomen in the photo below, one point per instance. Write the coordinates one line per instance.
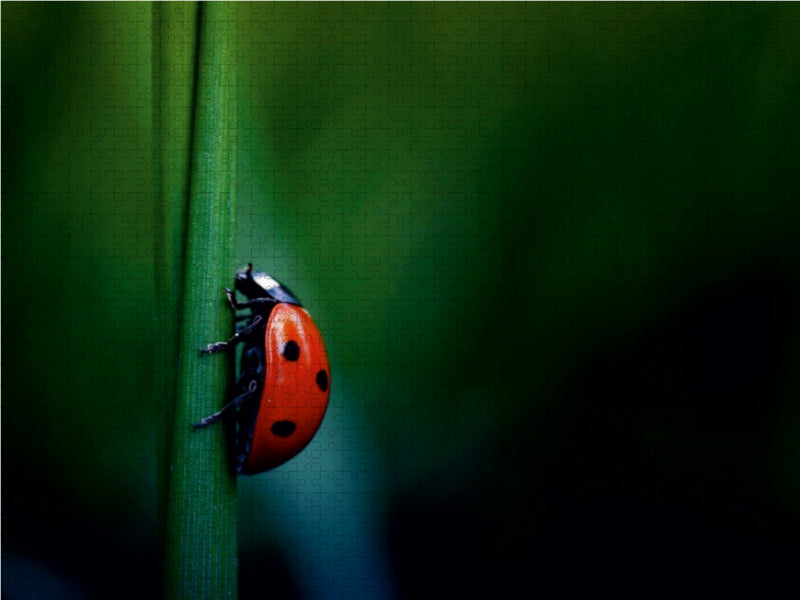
(296, 388)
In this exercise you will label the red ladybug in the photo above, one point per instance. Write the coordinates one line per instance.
(283, 383)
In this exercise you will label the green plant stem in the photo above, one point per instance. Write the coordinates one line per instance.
(201, 514)
(174, 50)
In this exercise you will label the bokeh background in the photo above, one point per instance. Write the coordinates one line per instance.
(554, 253)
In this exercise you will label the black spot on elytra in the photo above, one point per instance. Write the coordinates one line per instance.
(291, 351)
(283, 428)
(322, 380)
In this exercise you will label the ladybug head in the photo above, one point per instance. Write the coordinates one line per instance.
(257, 284)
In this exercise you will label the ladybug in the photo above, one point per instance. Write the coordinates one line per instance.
(283, 382)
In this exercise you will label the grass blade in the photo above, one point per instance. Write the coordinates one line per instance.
(200, 549)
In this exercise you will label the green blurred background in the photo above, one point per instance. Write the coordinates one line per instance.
(554, 252)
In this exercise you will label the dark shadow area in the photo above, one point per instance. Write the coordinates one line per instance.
(653, 472)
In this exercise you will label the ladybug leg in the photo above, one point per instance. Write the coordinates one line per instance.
(236, 305)
(232, 300)
(232, 405)
(237, 337)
